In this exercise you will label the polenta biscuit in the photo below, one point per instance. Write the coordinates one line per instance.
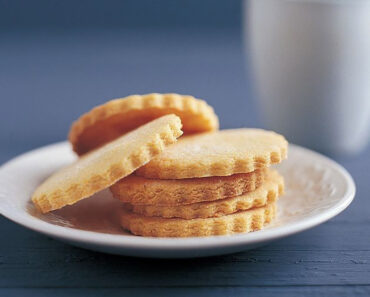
(239, 222)
(268, 192)
(104, 166)
(218, 153)
(106, 122)
(144, 191)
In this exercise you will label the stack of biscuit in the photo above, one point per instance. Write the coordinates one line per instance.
(207, 182)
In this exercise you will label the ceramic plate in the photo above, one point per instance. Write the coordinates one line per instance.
(317, 189)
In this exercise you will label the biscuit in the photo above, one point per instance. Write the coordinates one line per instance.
(239, 222)
(268, 192)
(104, 166)
(219, 153)
(106, 122)
(143, 191)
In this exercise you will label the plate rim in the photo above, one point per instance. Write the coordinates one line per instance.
(177, 244)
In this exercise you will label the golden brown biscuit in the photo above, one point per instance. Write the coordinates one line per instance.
(104, 166)
(143, 191)
(268, 192)
(106, 122)
(219, 153)
(239, 222)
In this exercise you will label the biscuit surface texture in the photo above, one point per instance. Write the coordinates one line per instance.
(220, 153)
(239, 222)
(106, 122)
(144, 191)
(268, 192)
(102, 167)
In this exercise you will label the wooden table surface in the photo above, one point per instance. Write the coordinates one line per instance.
(48, 83)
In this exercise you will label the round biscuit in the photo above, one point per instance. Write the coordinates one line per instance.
(220, 153)
(166, 192)
(108, 121)
(104, 166)
(239, 222)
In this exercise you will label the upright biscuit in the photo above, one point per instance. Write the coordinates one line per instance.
(106, 122)
(268, 192)
(104, 166)
(218, 153)
(143, 191)
(239, 222)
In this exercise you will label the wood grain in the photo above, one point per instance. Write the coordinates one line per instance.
(312, 291)
(315, 257)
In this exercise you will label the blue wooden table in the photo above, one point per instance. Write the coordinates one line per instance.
(47, 80)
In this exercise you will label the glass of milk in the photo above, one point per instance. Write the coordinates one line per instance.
(310, 63)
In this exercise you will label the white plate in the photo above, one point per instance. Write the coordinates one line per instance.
(317, 189)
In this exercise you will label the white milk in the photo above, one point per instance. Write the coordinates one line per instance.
(311, 67)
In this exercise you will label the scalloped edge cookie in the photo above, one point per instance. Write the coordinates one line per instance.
(268, 192)
(220, 153)
(159, 192)
(103, 167)
(239, 222)
(108, 121)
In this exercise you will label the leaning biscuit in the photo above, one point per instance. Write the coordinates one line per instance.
(218, 153)
(239, 222)
(268, 192)
(144, 191)
(104, 166)
(106, 122)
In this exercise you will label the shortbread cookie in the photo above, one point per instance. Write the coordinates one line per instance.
(144, 191)
(219, 153)
(103, 167)
(106, 122)
(268, 192)
(239, 222)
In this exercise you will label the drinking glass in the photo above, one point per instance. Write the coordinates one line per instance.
(310, 63)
